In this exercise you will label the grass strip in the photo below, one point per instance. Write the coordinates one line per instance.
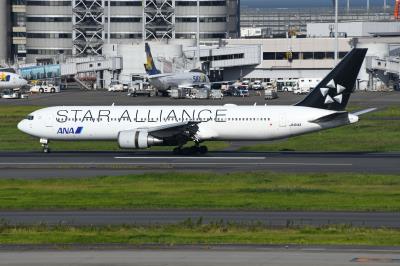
(248, 191)
(378, 131)
(191, 233)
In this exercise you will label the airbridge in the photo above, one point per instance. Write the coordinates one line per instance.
(79, 65)
(387, 65)
(72, 67)
(383, 72)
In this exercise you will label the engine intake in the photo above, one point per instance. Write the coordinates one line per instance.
(136, 139)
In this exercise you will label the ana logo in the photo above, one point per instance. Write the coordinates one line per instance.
(69, 130)
(338, 92)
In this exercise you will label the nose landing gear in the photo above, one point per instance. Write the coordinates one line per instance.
(45, 145)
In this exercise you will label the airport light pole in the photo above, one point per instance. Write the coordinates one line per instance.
(198, 34)
(336, 31)
(108, 21)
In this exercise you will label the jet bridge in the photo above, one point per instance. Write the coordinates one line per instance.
(387, 65)
(90, 64)
(73, 67)
(383, 73)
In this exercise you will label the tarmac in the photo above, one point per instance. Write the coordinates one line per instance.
(163, 217)
(205, 256)
(77, 97)
(31, 165)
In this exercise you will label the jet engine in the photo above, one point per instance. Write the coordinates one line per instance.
(136, 139)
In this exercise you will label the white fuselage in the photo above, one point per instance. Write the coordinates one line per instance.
(228, 122)
(177, 80)
(11, 81)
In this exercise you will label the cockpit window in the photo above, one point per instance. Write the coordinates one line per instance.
(29, 117)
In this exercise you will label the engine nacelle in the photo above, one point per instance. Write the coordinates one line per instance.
(136, 139)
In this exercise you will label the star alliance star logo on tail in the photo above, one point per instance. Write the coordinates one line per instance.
(338, 97)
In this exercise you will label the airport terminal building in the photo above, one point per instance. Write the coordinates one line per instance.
(48, 29)
(79, 32)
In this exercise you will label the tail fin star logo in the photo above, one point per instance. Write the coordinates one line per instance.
(338, 97)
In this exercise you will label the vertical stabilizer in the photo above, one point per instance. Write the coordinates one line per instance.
(150, 66)
(333, 92)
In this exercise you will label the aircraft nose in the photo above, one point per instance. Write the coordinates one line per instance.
(22, 126)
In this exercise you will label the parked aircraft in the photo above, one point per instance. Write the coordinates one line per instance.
(139, 127)
(10, 80)
(167, 81)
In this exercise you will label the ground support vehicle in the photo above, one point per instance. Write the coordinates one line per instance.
(270, 94)
(44, 87)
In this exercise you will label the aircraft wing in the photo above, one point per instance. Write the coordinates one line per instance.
(223, 82)
(187, 128)
(160, 75)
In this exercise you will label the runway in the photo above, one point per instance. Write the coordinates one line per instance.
(160, 217)
(86, 164)
(216, 256)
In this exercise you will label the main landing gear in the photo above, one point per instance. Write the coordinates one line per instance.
(191, 150)
(45, 145)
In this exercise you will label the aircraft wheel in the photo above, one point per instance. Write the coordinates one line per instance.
(203, 149)
(177, 151)
(46, 150)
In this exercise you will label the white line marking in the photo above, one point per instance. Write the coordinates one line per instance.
(172, 163)
(199, 158)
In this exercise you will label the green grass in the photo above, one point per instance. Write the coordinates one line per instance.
(258, 190)
(371, 134)
(376, 132)
(11, 139)
(216, 233)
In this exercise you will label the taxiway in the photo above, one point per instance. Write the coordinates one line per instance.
(162, 217)
(85, 164)
(216, 256)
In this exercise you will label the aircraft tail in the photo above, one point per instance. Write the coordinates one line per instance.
(150, 66)
(333, 92)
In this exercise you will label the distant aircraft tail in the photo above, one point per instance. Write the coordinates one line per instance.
(333, 92)
(150, 66)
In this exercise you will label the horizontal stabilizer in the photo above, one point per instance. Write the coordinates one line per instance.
(361, 112)
(330, 117)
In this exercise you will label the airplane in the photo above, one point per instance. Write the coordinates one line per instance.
(10, 80)
(164, 82)
(140, 127)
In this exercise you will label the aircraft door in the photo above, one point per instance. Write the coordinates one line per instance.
(282, 121)
(283, 130)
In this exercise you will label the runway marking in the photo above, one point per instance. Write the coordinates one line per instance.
(200, 158)
(172, 163)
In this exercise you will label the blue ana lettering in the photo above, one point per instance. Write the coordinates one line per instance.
(69, 130)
